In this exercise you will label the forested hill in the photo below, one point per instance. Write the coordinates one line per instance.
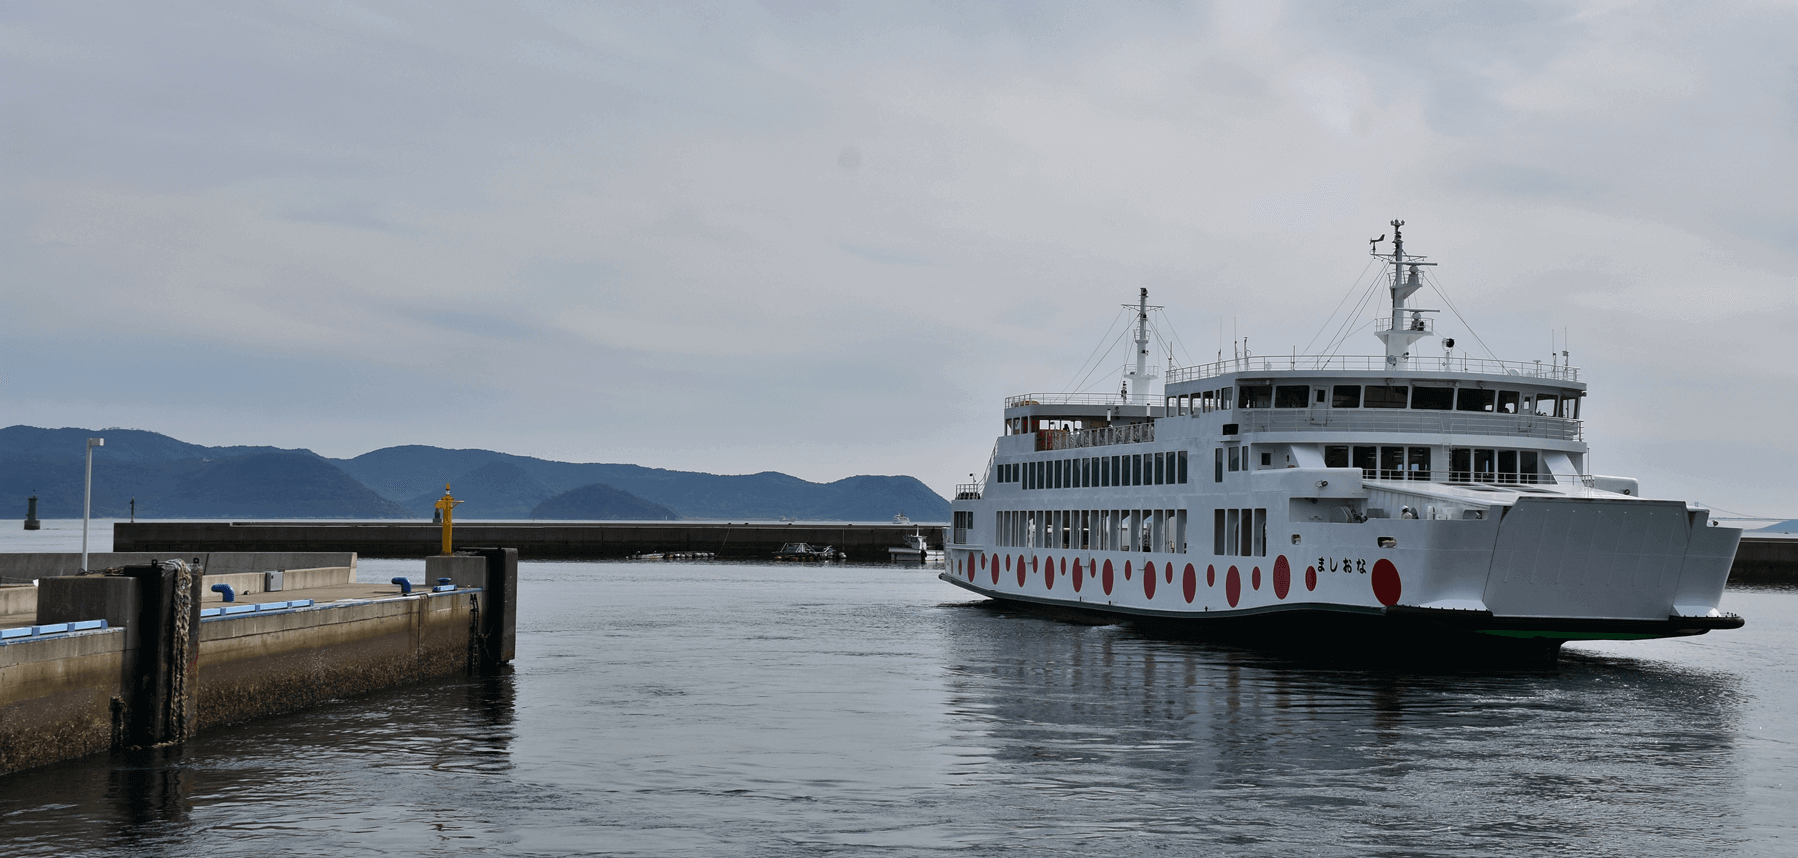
(170, 478)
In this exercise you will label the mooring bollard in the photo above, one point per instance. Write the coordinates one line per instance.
(225, 592)
(404, 584)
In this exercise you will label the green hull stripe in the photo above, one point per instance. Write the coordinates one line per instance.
(1571, 636)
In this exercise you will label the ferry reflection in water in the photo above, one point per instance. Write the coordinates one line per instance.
(1236, 747)
(733, 709)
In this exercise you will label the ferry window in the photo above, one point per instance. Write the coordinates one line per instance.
(1232, 531)
(1267, 460)
(1365, 460)
(1291, 395)
(1117, 473)
(1433, 398)
(1484, 462)
(1223, 398)
(1136, 469)
(1217, 464)
(1092, 472)
(1528, 465)
(1473, 399)
(1507, 402)
(1335, 457)
(1379, 396)
(1507, 466)
(1320, 395)
(1576, 403)
(1182, 470)
(1260, 532)
(1247, 545)
(1160, 469)
(1460, 465)
(1345, 396)
(1255, 396)
(1392, 463)
(1218, 531)
(1235, 458)
(1417, 463)
(1547, 405)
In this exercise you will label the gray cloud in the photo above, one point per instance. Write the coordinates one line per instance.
(643, 231)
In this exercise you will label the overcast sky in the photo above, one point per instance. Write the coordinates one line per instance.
(829, 239)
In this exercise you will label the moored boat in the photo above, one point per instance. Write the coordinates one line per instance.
(1403, 495)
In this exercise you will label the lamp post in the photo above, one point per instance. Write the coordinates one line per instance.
(87, 499)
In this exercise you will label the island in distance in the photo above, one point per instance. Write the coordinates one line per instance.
(170, 478)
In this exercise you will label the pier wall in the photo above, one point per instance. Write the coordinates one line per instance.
(253, 665)
(57, 696)
(861, 542)
(1765, 559)
(65, 694)
(27, 566)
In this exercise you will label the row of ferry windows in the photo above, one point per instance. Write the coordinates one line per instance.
(1234, 532)
(1135, 469)
(1155, 530)
(1416, 397)
(1465, 464)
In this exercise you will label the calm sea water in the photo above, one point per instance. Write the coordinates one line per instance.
(726, 709)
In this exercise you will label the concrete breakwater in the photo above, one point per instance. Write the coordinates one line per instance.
(136, 659)
(860, 542)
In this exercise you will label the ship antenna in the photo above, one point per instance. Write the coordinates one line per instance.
(1142, 346)
(1402, 331)
(1140, 374)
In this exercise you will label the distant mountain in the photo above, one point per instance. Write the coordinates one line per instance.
(174, 479)
(407, 473)
(122, 445)
(1780, 527)
(495, 490)
(600, 502)
(278, 485)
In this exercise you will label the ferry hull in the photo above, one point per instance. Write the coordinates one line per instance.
(1547, 570)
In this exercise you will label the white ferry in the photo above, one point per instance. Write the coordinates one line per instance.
(1429, 497)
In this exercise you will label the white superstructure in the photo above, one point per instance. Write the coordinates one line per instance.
(1428, 494)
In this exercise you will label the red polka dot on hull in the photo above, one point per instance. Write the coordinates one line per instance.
(1386, 585)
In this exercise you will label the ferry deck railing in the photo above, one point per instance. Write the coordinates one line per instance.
(1075, 439)
(1478, 477)
(1407, 421)
(1372, 363)
(1024, 399)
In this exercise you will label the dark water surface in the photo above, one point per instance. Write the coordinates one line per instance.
(670, 709)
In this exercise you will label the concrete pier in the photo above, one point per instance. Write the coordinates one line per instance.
(861, 542)
(135, 659)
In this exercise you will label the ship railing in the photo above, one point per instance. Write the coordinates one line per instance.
(1415, 323)
(1373, 363)
(1408, 421)
(1479, 477)
(1076, 439)
(967, 491)
(1024, 399)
